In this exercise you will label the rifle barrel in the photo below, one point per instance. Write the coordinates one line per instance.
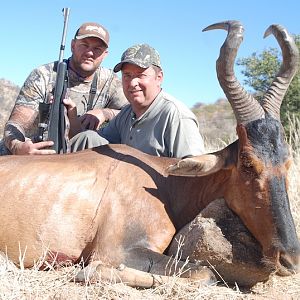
(66, 12)
(56, 126)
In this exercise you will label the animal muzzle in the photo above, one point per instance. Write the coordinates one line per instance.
(283, 263)
(289, 263)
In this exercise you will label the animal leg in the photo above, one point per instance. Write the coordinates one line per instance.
(156, 263)
(147, 269)
(132, 277)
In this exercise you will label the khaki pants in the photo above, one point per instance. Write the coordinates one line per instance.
(86, 140)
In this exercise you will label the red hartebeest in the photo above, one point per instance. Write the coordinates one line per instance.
(115, 205)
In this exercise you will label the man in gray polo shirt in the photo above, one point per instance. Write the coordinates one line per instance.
(153, 121)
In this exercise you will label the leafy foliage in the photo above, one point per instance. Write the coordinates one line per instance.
(260, 69)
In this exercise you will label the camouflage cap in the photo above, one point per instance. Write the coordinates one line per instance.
(141, 55)
(92, 30)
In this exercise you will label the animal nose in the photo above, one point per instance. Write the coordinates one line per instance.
(289, 263)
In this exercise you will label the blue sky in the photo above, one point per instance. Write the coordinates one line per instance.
(31, 35)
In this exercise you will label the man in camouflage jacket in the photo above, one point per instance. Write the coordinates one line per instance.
(89, 47)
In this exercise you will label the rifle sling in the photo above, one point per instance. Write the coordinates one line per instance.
(93, 91)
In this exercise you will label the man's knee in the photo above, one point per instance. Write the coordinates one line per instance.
(86, 140)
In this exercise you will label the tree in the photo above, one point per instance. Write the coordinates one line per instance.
(260, 69)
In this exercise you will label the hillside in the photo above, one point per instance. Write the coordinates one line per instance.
(217, 122)
(8, 94)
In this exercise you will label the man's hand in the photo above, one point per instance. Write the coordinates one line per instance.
(75, 125)
(93, 119)
(71, 108)
(90, 120)
(30, 148)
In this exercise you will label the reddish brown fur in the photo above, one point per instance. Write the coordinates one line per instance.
(117, 205)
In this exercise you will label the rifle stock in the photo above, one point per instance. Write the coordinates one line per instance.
(56, 124)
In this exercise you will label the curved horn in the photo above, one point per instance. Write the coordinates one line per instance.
(290, 64)
(244, 105)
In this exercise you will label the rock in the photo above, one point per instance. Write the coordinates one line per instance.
(218, 238)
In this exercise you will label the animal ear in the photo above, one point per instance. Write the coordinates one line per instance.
(196, 166)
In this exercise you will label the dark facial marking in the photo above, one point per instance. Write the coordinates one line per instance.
(266, 136)
(268, 140)
(282, 214)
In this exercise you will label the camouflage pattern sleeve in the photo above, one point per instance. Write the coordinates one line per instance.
(117, 98)
(35, 87)
(23, 119)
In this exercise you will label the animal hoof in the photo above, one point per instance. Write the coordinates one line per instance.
(204, 275)
(88, 274)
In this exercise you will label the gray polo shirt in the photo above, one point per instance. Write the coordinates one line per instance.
(167, 128)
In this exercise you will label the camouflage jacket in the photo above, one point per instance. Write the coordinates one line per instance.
(39, 85)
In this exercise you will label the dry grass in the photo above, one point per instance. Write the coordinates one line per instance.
(33, 284)
(294, 139)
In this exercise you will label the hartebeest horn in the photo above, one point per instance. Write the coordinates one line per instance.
(289, 67)
(245, 106)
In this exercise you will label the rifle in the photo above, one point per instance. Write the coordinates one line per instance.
(56, 122)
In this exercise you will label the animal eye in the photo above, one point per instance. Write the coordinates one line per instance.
(251, 164)
(247, 163)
